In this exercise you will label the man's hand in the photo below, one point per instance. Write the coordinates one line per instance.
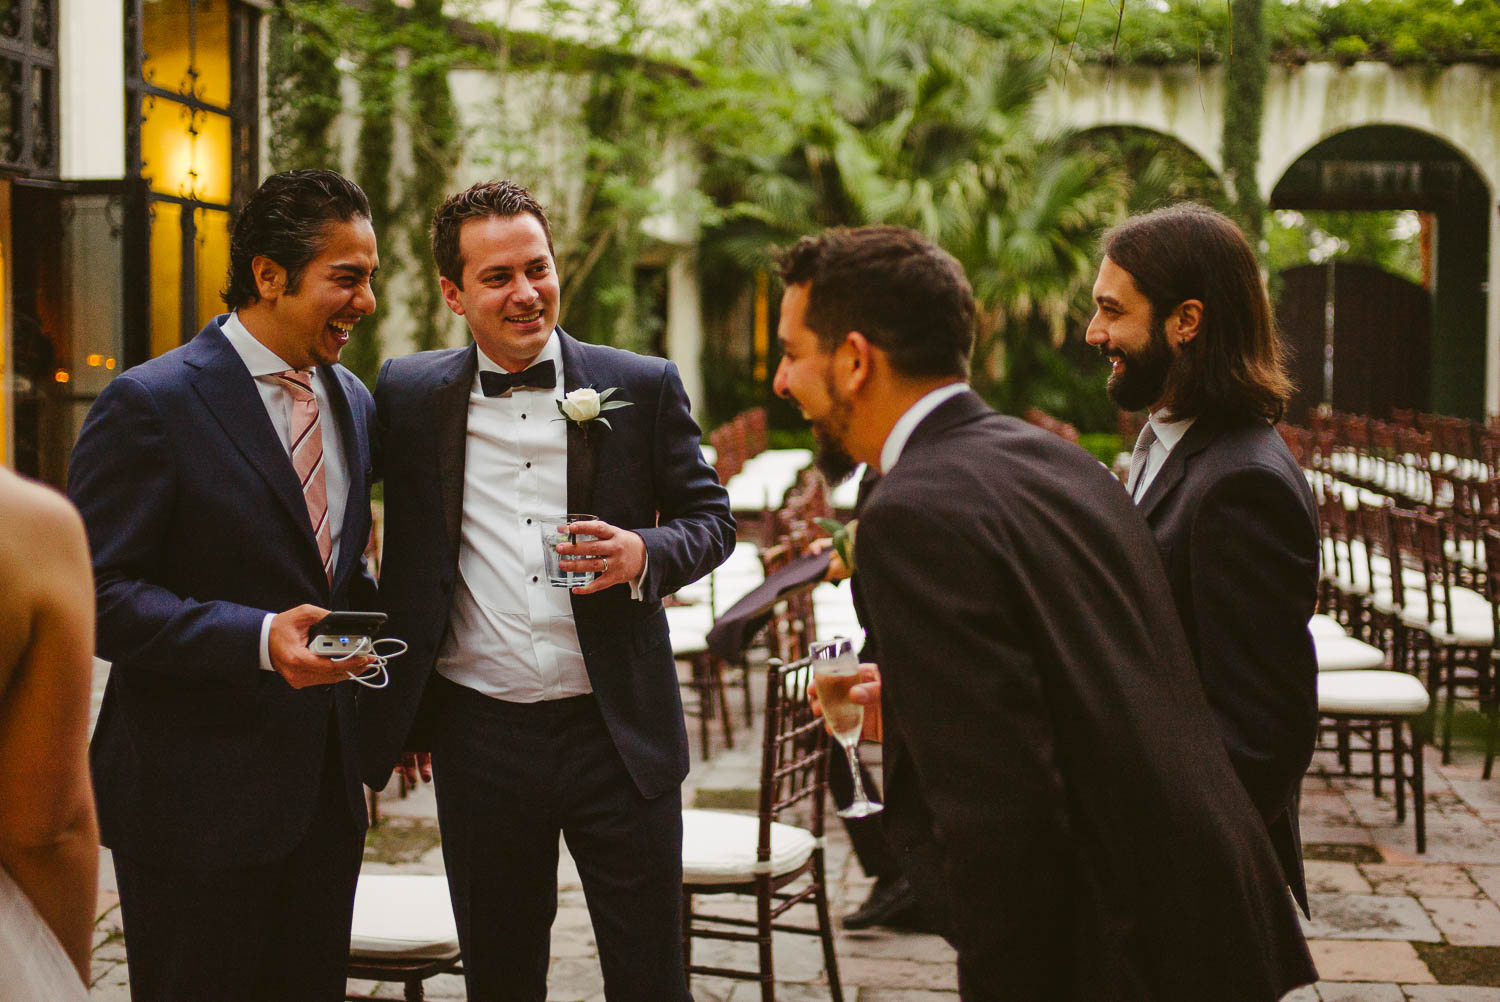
(415, 763)
(866, 694)
(619, 555)
(836, 569)
(294, 662)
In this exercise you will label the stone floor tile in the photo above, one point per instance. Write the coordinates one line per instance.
(1443, 880)
(1452, 837)
(871, 972)
(1334, 878)
(1368, 916)
(1307, 993)
(900, 995)
(1355, 991)
(1364, 960)
(1487, 876)
(1479, 794)
(1465, 921)
(1451, 993)
(895, 945)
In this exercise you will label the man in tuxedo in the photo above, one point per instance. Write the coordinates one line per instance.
(1182, 316)
(545, 711)
(1053, 778)
(225, 489)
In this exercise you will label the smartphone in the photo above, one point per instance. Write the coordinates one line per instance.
(340, 633)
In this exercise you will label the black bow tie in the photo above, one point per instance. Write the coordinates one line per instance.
(542, 376)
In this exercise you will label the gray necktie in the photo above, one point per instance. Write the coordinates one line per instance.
(1140, 458)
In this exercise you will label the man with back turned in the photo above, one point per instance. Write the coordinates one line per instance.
(1054, 781)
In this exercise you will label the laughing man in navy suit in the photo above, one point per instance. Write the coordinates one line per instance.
(545, 711)
(225, 489)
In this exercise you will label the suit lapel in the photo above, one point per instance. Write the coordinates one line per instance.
(583, 454)
(450, 413)
(229, 393)
(355, 449)
(1174, 469)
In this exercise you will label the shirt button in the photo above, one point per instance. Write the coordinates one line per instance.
(528, 521)
(523, 417)
(528, 466)
(533, 577)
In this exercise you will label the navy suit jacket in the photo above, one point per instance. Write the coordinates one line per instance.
(198, 529)
(1236, 525)
(646, 474)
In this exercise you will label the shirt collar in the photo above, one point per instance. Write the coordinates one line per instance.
(907, 423)
(552, 349)
(1168, 433)
(260, 360)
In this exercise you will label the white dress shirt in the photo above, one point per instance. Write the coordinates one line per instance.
(264, 364)
(1168, 434)
(511, 635)
(895, 442)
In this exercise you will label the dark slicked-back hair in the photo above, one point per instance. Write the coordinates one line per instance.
(908, 296)
(287, 220)
(1236, 363)
(485, 199)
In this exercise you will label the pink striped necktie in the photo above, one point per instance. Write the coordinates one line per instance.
(307, 459)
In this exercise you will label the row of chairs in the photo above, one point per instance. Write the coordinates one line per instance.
(1392, 575)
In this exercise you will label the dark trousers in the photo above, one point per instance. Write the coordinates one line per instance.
(510, 777)
(866, 835)
(273, 932)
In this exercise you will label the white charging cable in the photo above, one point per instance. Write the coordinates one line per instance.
(375, 674)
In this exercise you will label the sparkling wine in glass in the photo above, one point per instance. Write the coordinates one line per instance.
(835, 672)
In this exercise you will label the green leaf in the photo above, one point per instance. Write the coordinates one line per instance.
(613, 404)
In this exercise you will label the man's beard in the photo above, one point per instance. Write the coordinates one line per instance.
(1144, 378)
(832, 457)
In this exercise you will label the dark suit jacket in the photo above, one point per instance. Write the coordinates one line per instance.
(1237, 529)
(646, 474)
(1052, 768)
(198, 529)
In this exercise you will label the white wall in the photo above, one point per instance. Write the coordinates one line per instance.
(91, 89)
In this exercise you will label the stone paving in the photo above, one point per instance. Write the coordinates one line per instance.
(1388, 925)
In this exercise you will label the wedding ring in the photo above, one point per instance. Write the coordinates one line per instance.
(605, 562)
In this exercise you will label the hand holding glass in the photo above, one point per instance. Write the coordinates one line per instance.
(835, 672)
(554, 529)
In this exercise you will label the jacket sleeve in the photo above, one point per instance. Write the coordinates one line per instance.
(694, 531)
(123, 479)
(1254, 568)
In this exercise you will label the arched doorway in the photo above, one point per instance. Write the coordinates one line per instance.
(1380, 337)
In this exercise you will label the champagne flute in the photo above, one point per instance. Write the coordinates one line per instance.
(835, 672)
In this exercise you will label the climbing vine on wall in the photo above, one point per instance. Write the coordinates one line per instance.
(435, 150)
(1244, 103)
(376, 74)
(302, 91)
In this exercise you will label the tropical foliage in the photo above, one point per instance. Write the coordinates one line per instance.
(1203, 31)
(923, 123)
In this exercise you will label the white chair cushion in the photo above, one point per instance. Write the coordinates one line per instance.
(1377, 693)
(1321, 626)
(719, 847)
(400, 916)
(688, 626)
(1343, 653)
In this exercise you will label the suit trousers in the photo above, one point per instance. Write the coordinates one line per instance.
(510, 777)
(272, 932)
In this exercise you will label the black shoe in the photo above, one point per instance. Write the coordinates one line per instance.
(890, 900)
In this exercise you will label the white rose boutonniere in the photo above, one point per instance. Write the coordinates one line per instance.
(586, 405)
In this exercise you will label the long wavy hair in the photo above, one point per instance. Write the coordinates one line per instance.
(1236, 365)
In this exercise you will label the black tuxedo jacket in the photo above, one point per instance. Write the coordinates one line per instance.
(646, 474)
(198, 529)
(1053, 773)
(1237, 529)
